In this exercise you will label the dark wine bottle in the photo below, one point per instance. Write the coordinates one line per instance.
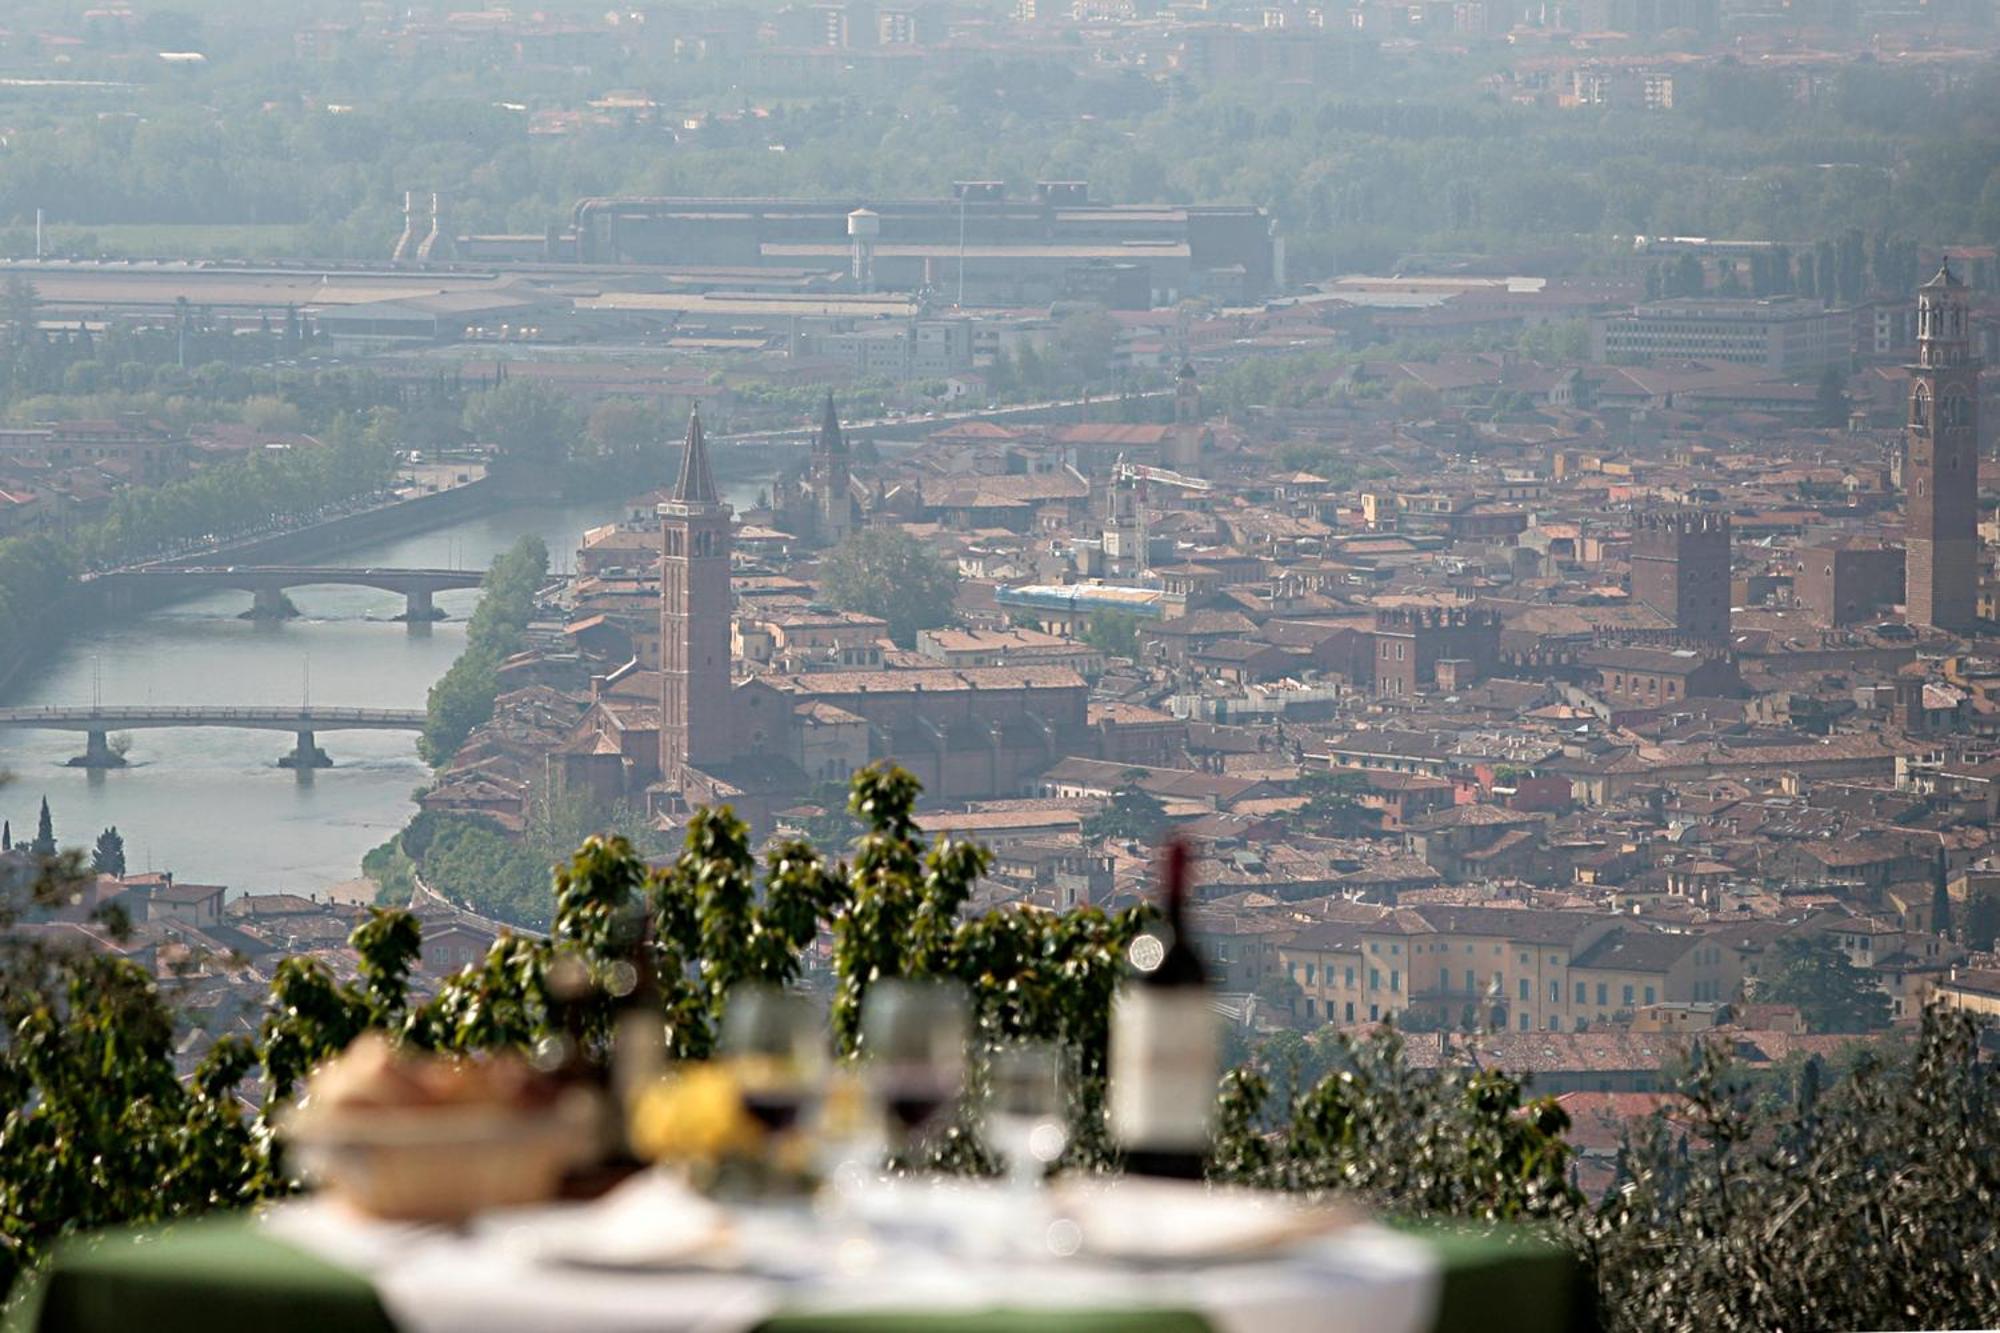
(1165, 1042)
(638, 1031)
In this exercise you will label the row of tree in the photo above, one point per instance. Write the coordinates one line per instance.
(462, 698)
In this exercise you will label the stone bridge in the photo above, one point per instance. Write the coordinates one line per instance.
(97, 723)
(266, 584)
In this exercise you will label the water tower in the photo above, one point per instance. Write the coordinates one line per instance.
(864, 228)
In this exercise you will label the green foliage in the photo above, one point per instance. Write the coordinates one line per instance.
(1870, 1205)
(1333, 802)
(1459, 1143)
(1113, 633)
(108, 857)
(529, 421)
(224, 497)
(1982, 921)
(463, 697)
(1133, 814)
(888, 573)
(44, 844)
(1831, 993)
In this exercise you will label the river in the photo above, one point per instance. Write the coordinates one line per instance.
(211, 805)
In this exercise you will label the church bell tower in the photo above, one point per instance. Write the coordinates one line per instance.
(694, 617)
(833, 500)
(1941, 469)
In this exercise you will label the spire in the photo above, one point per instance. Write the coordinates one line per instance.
(697, 483)
(830, 437)
(1945, 277)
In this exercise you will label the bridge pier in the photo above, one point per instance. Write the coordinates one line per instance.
(97, 753)
(270, 604)
(306, 756)
(418, 607)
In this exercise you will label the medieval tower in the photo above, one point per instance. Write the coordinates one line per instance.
(1680, 568)
(694, 618)
(1941, 469)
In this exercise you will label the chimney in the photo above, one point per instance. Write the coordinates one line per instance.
(406, 244)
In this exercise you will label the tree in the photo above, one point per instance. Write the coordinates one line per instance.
(1085, 343)
(526, 420)
(1940, 896)
(624, 428)
(1982, 921)
(1333, 802)
(888, 573)
(1415, 400)
(108, 857)
(1113, 633)
(44, 844)
(1133, 814)
(20, 306)
(1832, 995)
(1830, 405)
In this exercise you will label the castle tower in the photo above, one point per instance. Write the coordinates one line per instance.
(833, 501)
(1680, 568)
(694, 617)
(1941, 468)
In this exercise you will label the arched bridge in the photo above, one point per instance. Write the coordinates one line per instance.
(267, 583)
(97, 723)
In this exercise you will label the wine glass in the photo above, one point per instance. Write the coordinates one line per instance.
(776, 1046)
(1024, 1110)
(913, 1036)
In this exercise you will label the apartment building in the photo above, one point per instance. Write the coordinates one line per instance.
(1786, 335)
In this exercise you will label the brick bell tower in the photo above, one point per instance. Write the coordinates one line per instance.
(1941, 467)
(694, 617)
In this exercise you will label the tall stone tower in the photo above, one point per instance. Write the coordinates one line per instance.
(1184, 441)
(833, 499)
(1124, 532)
(1941, 469)
(1680, 568)
(694, 617)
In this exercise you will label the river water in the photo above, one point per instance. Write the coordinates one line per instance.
(211, 805)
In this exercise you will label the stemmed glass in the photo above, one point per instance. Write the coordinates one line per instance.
(1024, 1110)
(913, 1039)
(776, 1045)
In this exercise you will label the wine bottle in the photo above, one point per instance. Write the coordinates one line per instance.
(638, 1032)
(1165, 1042)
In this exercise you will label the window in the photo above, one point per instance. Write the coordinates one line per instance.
(1628, 997)
(1350, 1011)
(1396, 948)
(1603, 993)
(1395, 981)
(1555, 992)
(1374, 947)
(1471, 982)
(1582, 993)
(1524, 960)
(1374, 1012)
(1374, 979)
(1309, 1008)
(1524, 988)
(1649, 995)
(1350, 982)
(1524, 1022)
(1554, 1023)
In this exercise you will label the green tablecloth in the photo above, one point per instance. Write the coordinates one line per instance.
(223, 1274)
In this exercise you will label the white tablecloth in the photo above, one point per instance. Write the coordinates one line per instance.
(901, 1248)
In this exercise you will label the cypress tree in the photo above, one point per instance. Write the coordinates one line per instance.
(45, 833)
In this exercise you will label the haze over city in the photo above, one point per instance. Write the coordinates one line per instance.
(617, 617)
